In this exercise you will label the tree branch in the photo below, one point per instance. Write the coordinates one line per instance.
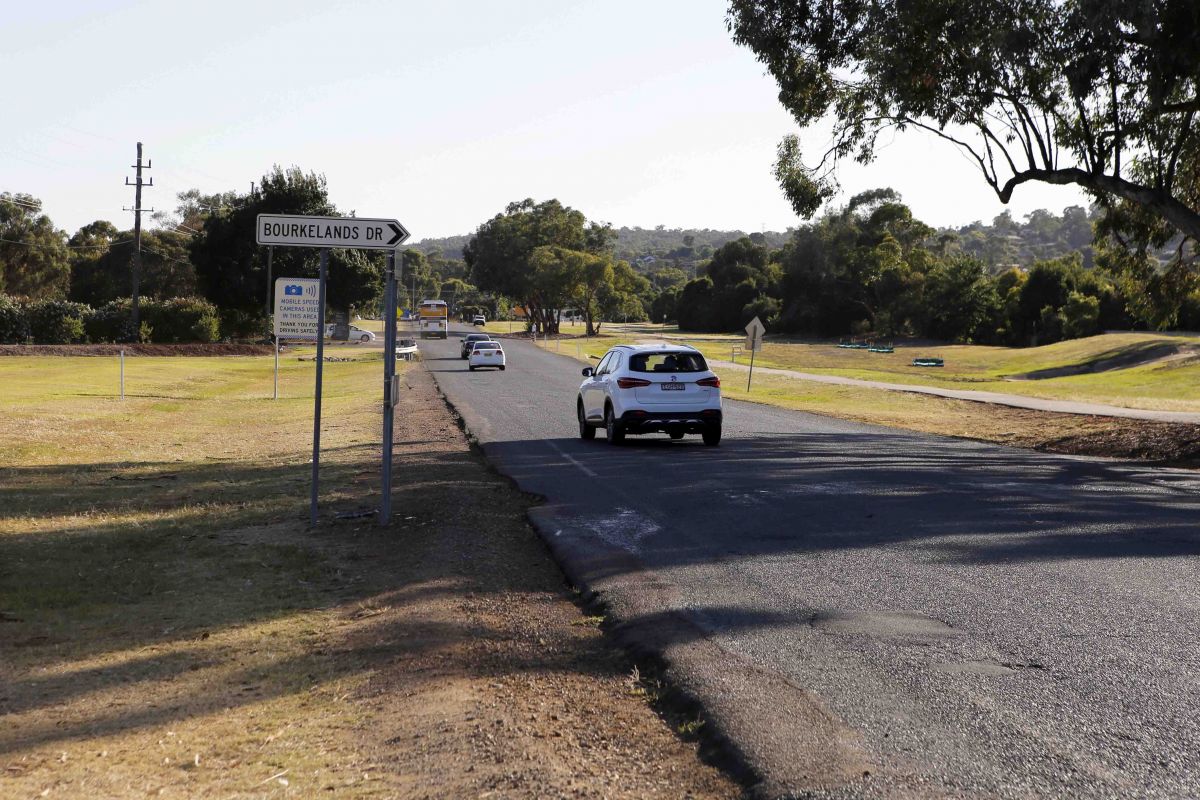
(1177, 151)
(1183, 218)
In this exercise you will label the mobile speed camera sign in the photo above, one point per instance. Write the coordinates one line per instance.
(297, 308)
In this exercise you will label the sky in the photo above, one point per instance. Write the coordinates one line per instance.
(437, 114)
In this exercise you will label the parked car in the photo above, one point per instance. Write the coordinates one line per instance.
(486, 354)
(479, 319)
(357, 334)
(469, 340)
(638, 389)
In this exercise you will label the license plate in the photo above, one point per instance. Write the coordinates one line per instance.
(672, 387)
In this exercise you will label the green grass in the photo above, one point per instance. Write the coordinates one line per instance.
(163, 603)
(1166, 385)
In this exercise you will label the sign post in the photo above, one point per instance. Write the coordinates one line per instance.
(389, 384)
(316, 459)
(754, 337)
(355, 233)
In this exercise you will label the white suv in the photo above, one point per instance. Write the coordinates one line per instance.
(648, 388)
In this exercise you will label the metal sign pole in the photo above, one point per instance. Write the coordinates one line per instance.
(316, 458)
(276, 397)
(751, 375)
(389, 385)
(270, 283)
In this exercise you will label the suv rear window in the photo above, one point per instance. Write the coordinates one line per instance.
(667, 362)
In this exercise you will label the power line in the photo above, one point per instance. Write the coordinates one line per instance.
(37, 205)
(69, 246)
(161, 254)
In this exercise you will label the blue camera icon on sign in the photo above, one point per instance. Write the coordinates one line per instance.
(293, 288)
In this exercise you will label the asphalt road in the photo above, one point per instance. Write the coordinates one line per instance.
(868, 612)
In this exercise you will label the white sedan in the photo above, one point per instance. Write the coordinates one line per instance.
(357, 334)
(486, 354)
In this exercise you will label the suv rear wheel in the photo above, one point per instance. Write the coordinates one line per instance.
(614, 431)
(712, 436)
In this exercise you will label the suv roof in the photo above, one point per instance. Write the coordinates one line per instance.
(656, 348)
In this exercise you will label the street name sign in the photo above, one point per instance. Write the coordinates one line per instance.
(357, 233)
(297, 308)
(754, 334)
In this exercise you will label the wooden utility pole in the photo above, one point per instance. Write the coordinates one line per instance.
(136, 266)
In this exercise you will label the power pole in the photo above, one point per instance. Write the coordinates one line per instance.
(137, 233)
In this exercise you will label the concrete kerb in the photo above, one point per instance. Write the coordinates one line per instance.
(776, 737)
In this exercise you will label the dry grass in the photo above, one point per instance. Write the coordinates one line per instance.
(1169, 385)
(169, 626)
(1068, 433)
(153, 638)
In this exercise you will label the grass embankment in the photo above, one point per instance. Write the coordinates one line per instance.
(1163, 385)
(1168, 384)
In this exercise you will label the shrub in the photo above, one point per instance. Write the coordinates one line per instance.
(111, 322)
(14, 324)
(56, 321)
(178, 319)
(181, 319)
(1082, 315)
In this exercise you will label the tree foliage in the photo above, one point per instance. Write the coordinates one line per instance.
(508, 255)
(729, 294)
(231, 268)
(100, 264)
(1098, 93)
(33, 253)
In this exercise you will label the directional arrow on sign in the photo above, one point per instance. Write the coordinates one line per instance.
(401, 235)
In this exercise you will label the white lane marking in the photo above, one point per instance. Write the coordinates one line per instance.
(567, 456)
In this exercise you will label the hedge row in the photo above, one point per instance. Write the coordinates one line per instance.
(179, 319)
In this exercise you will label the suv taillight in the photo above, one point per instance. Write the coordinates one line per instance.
(631, 383)
(713, 382)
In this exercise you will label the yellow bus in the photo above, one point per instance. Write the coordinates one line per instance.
(434, 317)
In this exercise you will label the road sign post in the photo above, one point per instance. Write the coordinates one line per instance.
(354, 233)
(754, 337)
(389, 385)
(316, 458)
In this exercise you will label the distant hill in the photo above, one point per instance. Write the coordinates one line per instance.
(643, 247)
(450, 247)
(1003, 242)
(1043, 235)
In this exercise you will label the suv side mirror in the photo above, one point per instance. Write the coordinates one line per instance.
(587, 372)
